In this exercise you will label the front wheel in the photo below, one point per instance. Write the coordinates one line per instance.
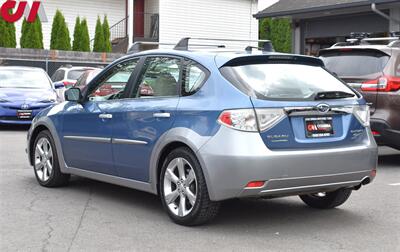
(327, 200)
(184, 191)
(45, 161)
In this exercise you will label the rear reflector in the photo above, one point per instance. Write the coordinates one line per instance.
(373, 173)
(255, 184)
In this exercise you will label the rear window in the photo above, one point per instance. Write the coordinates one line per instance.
(75, 74)
(58, 76)
(283, 81)
(355, 63)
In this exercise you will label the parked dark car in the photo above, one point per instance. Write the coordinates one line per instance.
(372, 68)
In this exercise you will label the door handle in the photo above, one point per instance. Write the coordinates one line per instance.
(105, 116)
(162, 115)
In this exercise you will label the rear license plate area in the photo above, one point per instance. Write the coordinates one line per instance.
(317, 127)
(24, 114)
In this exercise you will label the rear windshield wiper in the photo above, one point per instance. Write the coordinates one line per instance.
(332, 95)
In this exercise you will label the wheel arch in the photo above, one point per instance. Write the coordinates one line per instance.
(34, 134)
(163, 155)
(175, 138)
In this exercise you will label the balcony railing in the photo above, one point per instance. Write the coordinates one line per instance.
(119, 30)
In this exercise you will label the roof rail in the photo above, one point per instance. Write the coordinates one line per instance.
(395, 43)
(146, 45)
(183, 44)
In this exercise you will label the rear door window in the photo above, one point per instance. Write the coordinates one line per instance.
(355, 63)
(160, 78)
(283, 81)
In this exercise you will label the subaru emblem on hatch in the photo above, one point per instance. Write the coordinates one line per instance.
(24, 106)
(323, 108)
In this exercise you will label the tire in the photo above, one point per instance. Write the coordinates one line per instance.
(197, 210)
(45, 162)
(330, 200)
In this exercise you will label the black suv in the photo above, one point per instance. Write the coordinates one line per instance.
(372, 66)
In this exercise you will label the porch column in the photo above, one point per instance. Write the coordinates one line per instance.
(296, 37)
(394, 24)
(130, 7)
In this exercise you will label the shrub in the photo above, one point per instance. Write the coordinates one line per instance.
(85, 39)
(7, 34)
(76, 44)
(60, 39)
(99, 37)
(279, 31)
(31, 34)
(106, 32)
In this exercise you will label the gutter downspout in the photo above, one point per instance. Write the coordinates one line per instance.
(374, 9)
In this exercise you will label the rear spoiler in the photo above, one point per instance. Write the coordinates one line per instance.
(333, 51)
(275, 59)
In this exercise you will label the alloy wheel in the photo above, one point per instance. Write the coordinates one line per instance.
(180, 187)
(43, 159)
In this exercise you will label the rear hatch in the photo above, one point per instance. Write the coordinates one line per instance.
(361, 68)
(297, 103)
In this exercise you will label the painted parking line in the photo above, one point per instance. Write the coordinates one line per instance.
(395, 184)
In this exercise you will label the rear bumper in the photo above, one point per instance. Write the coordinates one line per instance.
(232, 159)
(387, 135)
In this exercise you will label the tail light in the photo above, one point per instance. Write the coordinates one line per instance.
(250, 120)
(240, 119)
(362, 113)
(382, 84)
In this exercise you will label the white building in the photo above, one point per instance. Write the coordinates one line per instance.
(164, 21)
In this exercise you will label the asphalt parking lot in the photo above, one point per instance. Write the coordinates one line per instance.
(94, 216)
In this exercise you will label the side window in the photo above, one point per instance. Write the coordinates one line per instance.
(112, 84)
(160, 78)
(58, 76)
(194, 77)
(397, 68)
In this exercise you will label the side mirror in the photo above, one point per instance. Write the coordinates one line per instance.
(73, 94)
(58, 85)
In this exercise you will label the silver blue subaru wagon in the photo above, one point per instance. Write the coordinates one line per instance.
(201, 127)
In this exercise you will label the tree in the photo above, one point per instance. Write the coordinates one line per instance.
(31, 34)
(54, 30)
(106, 31)
(76, 46)
(85, 39)
(60, 39)
(7, 34)
(279, 31)
(98, 37)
